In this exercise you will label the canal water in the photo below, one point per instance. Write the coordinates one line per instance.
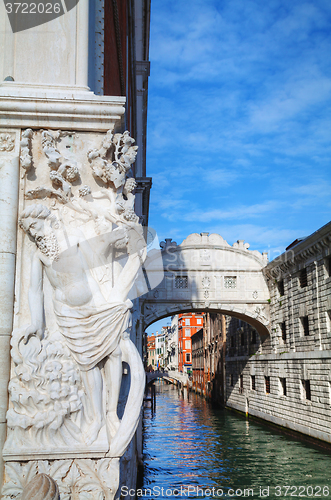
(194, 451)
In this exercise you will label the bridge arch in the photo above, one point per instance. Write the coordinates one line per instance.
(205, 274)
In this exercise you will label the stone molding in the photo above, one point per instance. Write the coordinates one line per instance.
(47, 106)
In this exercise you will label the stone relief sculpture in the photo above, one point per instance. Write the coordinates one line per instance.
(85, 247)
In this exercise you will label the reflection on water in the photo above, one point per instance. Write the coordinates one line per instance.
(188, 444)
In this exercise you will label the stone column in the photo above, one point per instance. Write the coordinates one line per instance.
(9, 180)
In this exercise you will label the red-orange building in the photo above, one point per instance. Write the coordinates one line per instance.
(188, 325)
(151, 357)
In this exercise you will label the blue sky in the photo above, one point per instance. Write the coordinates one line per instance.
(239, 119)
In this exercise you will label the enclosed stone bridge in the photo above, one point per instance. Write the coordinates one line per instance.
(205, 273)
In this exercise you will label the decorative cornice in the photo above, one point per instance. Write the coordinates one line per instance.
(58, 107)
(302, 252)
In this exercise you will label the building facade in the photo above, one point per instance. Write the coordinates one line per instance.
(188, 324)
(286, 379)
(151, 356)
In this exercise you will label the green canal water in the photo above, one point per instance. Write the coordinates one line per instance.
(194, 451)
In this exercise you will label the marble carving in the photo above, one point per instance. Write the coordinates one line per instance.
(81, 250)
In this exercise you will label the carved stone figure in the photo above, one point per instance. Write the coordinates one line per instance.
(88, 250)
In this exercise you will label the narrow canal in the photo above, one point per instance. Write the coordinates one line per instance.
(194, 451)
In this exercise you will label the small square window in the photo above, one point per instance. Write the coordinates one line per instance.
(267, 384)
(199, 321)
(181, 282)
(188, 358)
(306, 389)
(283, 386)
(303, 278)
(280, 286)
(305, 325)
(253, 382)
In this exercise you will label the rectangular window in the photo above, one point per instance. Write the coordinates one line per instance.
(241, 383)
(327, 264)
(280, 286)
(253, 337)
(283, 385)
(188, 358)
(303, 278)
(267, 384)
(253, 382)
(306, 389)
(187, 321)
(187, 332)
(181, 282)
(283, 329)
(305, 325)
(230, 281)
(187, 344)
(199, 321)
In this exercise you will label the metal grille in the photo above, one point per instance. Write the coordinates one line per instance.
(181, 282)
(303, 278)
(267, 384)
(230, 282)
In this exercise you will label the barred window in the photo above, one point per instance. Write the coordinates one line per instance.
(267, 384)
(303, 278)
(230, 281)
(181, 282)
